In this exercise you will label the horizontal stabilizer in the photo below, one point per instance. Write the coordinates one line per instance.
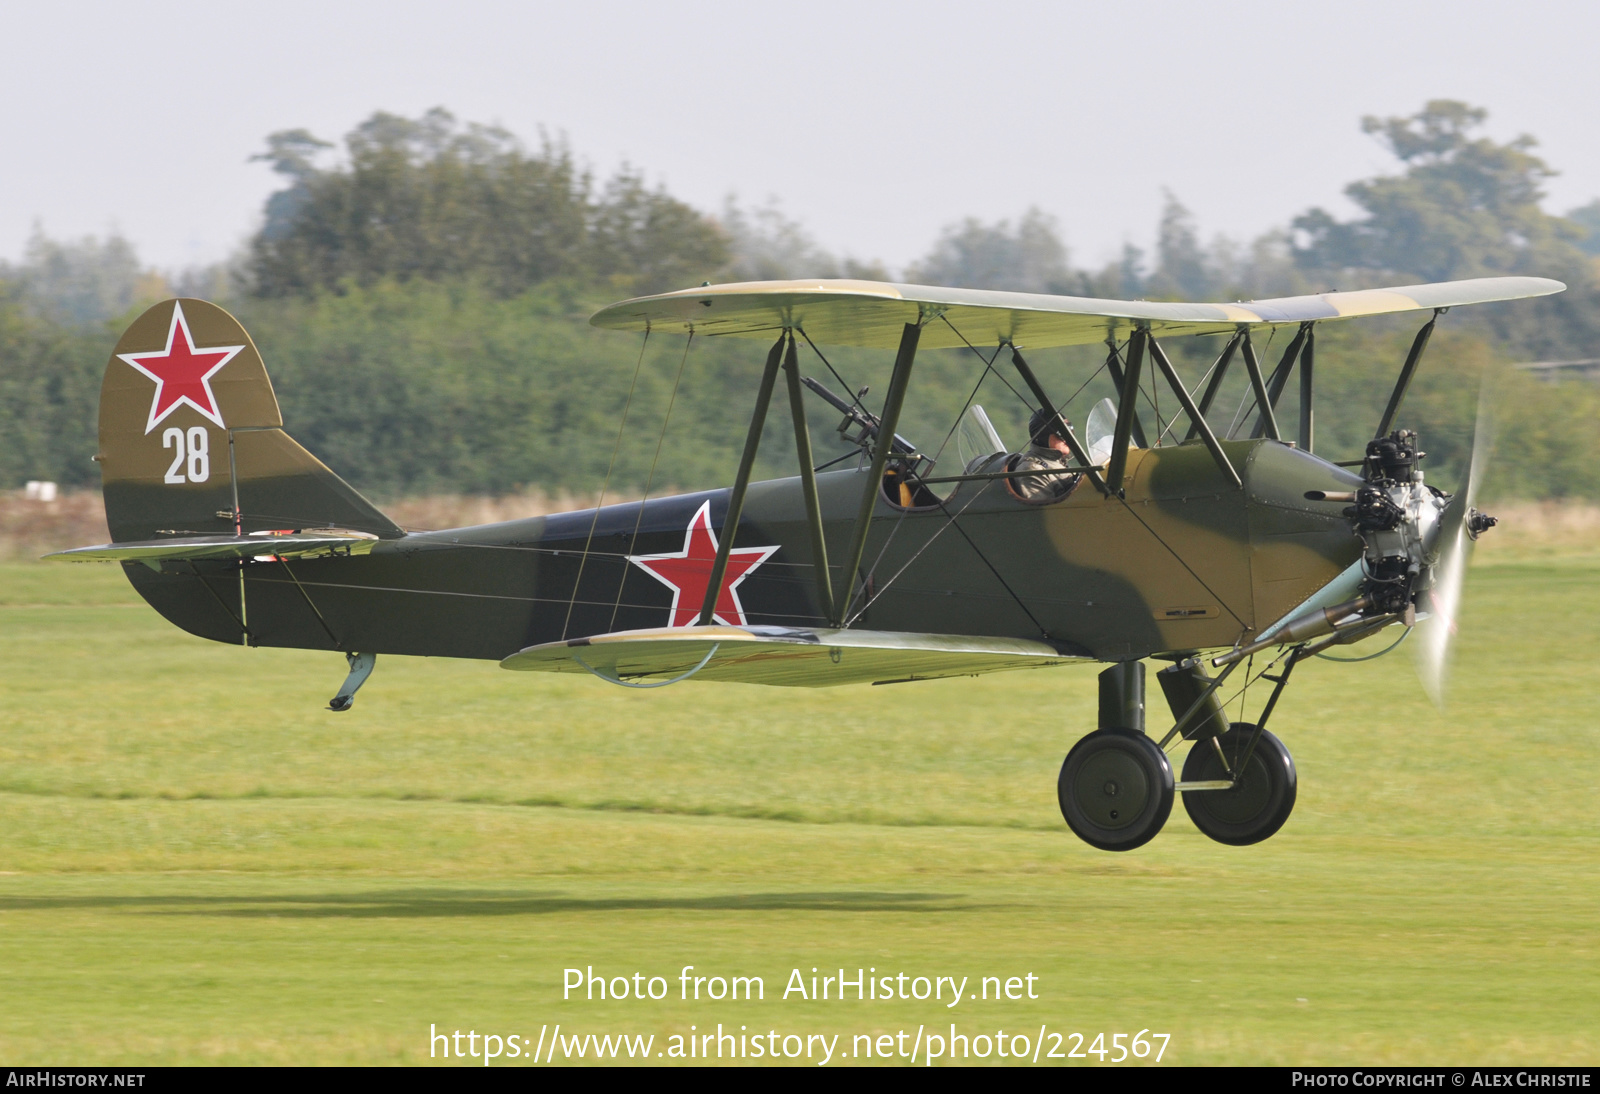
(783, 656)
(873, 313)
(196, 547)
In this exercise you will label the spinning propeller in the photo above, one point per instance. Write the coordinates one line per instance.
(1460, 524)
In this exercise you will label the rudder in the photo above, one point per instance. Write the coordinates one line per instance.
(192, 441)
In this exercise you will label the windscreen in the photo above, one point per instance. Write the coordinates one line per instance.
(977, 439)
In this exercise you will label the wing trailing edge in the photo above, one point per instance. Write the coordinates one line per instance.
(784, 656)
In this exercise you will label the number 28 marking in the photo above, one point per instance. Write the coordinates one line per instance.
(191, 462)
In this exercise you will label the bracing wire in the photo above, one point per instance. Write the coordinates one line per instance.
(856, 399)
(1250, 392)
(622, 427)
(1199, 386)
(951, 523)
(988, 367)
(1180, 559)
(950, 518)
(1062, 408)
(946, 321)
(1249, 681)
(1155, 403)
(633, 542)
(848, 390)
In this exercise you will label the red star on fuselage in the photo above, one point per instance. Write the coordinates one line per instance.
(182, 373)
(688, 573)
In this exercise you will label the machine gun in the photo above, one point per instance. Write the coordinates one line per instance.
(860, 428)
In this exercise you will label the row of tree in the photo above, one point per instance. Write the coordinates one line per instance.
(421, 302)
(433, 199)
(1460, 206)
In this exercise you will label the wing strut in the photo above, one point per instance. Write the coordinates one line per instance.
(1114, 367)
(808, 482)
(1280, 376)
(1269, 421)
(1127, 411)
(1218, 371)
(741, 482)
(1079, 453)
(890, 418)
(1198, 420)
(1307, 359)
(1409, 369)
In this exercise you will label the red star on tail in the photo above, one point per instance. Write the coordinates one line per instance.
(182, 373)
(688, 573)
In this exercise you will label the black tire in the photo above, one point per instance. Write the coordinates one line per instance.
(1115, 789)
(1261, 803)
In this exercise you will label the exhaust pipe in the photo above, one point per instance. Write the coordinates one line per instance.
(1311, 625)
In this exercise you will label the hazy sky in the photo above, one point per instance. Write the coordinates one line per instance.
(875, 124)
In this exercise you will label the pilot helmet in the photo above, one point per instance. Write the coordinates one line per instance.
(1044, 424)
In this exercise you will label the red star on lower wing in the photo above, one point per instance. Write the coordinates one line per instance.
(182, 373)
(688, 572)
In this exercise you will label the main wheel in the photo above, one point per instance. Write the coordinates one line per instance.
(1115, 789)
(1262, 801)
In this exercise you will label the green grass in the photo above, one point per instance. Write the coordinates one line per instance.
(202, 865)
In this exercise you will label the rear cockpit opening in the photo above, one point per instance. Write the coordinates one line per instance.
(904, 490)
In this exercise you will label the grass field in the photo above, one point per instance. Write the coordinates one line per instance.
(198, 864)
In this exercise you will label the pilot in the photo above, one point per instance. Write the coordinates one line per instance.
(1048, 453)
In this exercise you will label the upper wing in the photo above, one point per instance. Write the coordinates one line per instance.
(788, 656)
(873, 313)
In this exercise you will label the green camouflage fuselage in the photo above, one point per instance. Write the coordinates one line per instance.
(1185, 561)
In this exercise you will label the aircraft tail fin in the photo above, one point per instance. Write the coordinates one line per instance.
(192, 441)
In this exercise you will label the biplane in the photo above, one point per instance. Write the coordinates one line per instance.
(1214, 549)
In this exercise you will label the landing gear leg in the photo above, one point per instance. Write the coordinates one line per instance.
(1116, 785)
(360, 668)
